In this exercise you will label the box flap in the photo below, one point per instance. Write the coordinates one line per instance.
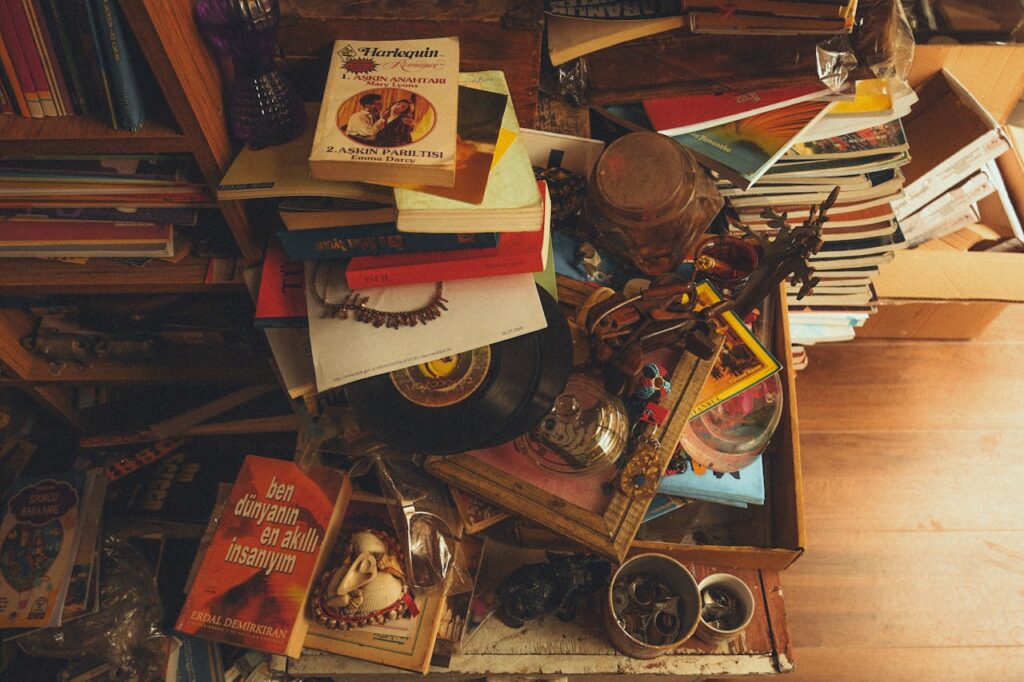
(944, 276)
(994, 74)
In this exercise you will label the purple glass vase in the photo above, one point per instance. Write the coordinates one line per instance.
(263, 108)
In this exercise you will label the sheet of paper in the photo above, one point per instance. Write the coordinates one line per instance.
(480, 311)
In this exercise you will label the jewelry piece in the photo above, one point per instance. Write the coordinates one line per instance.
(355, 304)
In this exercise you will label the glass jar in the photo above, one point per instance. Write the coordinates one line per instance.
(649, 202)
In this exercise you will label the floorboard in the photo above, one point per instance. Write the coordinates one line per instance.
(913, 470)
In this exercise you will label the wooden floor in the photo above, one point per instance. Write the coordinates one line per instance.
(913, 463)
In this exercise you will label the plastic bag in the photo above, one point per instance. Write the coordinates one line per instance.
(125, 632)
(423, 513)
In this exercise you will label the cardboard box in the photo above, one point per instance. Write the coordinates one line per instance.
(784, 504)
(928, 295)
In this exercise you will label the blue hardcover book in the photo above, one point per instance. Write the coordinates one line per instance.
(738, 488)
(374, 240)
(117, 62)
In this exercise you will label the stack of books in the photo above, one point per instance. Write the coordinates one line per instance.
(99, 206)
(362, 219)
(67, 58)
(771, 17)
(784, 150)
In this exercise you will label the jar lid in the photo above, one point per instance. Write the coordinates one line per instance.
(645, 173)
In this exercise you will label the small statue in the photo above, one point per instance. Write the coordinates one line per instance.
(783, 256)
(368, 587)
(532, 590)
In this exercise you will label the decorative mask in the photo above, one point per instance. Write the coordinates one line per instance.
(368, 587)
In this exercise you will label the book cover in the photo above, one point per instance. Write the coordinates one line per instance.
(687, 113)
(737, 489)
(516, 252)
(39, 538)
(252, 584)
(872, 96)
(118, 60)
(45, 231)
(281, 301)
(886, 138)
(61, 29)
(511, 198)
(16, 67)
(476, 146)
(86, 563)
(743, 150)
(781, 8)
(367, 240)
(479, 312)
(406, 642)
(750, 362)
(571, 37)
(389, 112)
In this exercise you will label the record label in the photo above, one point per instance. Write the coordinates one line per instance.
(446, 381)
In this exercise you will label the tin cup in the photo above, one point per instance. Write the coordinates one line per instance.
(674, 576)
(744, 600)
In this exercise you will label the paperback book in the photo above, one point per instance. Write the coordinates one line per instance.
(253, 582)
(389, 113)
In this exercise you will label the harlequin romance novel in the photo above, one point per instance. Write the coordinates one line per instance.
(389, 113)
(252, 584)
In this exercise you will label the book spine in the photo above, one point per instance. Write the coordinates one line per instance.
(48, 56)
(16, 67)
(374, 273)
(174, 216)
(96, 30)
(782, 8)
(352, 242)
(34, 61)
(124, 87)
(60, 35)
(48, 231)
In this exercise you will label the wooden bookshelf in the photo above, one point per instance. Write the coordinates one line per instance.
(85, 135)
(25, 276)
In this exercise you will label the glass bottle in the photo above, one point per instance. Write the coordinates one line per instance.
(262, 105)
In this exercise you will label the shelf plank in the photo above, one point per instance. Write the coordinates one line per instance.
(28, 276)
(109, 372)
(85, 135)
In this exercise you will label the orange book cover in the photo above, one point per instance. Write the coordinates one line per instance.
(269, 546)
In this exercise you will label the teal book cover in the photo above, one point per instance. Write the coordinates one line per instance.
(738, 488)
(743, 150)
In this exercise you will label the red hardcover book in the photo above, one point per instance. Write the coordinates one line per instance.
(48, 56)
(45, 231)
(282, 298)
(23, 29)
(687, 113)
(270, 544)
(16, 66)
(516, 252)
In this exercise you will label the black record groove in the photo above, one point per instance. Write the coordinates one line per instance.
(476, 399)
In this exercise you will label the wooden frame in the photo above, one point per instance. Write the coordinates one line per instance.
(609, 533)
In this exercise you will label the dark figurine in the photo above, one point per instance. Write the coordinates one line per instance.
(784, 256)
(532, 590)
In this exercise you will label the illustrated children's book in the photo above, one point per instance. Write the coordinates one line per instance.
(252, 584)
(39, 538)
(389, 113)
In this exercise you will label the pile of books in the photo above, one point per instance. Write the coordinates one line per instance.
(355, 219)
(67, 58)
(771, 17)
(99, 206)
(785, 150)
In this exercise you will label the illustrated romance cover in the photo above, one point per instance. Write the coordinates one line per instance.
(389, 113)
(252, 584)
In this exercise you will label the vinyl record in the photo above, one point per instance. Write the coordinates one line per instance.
(555, 366)
(475, 399)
